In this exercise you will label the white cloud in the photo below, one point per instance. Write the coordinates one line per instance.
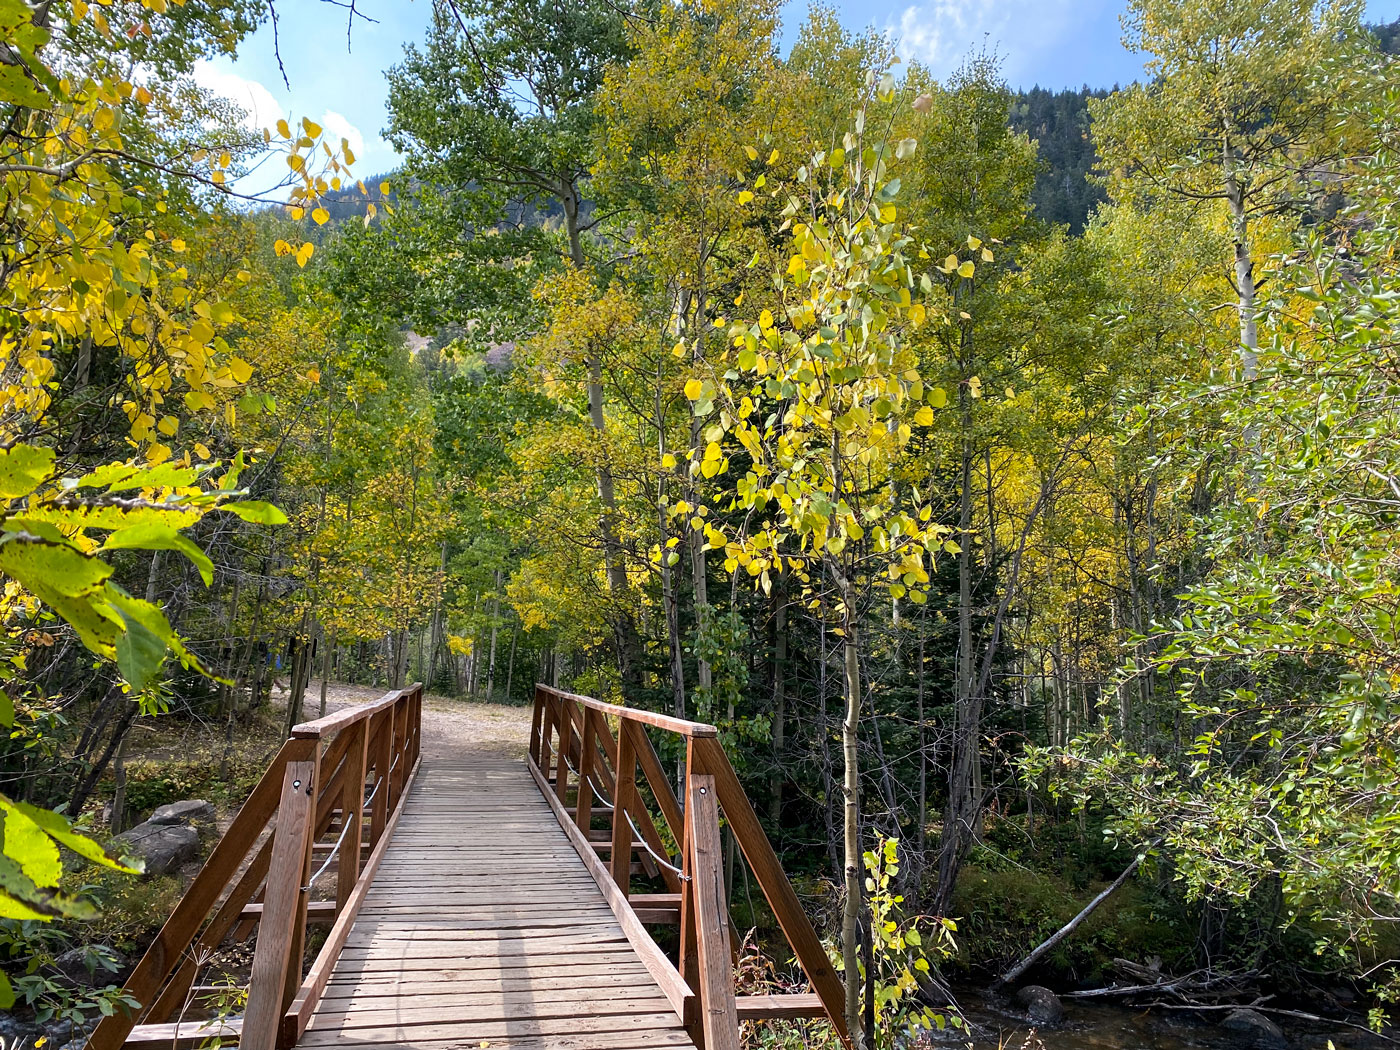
(261, 106)
(338, 127)
(942, 33)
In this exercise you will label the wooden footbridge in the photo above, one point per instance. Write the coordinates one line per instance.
(478, 902)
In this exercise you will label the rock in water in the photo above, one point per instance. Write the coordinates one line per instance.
(190, 811)
(1252, 1028)
(1041, 1004)
(164, 847)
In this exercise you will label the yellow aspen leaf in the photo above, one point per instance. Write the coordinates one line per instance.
(744, 197)
(967, 269)
(987, 255)
(773, 157)
(313, 374)
(668, 461)
(752, 153)
(168, 425)
(973, 243)
(765, 320)
(950, 264)
(201, 450)
(143, 96)
(304, 253)
(347, 151)
(241, 370)
(321, 217)
(312, 128)
(760, 182)
(283, 129)
(693, 389)
(974, 387)
(281, 247)
(384, 187)
(938, 397)
(678, 350)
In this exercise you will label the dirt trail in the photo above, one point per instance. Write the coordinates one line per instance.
(450, 727)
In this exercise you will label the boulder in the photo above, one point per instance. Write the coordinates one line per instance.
(1041, 1004)
(190, 811)
(16, 1032)
(164, 847)
(1251, 1028)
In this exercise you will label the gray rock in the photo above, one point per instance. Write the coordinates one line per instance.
(15, 1031)
(164, 847)
(190, 811)
(1252, 1028)
(1041, 1004)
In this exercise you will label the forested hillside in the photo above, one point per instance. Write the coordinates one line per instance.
(1025, 535)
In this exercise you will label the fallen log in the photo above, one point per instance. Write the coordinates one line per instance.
(1014, 974)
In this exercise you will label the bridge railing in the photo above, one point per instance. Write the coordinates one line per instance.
(327, 801)
(585, 754)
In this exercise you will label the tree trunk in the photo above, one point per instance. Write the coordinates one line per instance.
(851, 912)
(967, 714)
(495, 616)
(1245, 290)
(625, 630)
(510, 664)
(117, 824)
(329, 644)
(775, 783)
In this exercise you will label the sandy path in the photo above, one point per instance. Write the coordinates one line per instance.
(450, 727)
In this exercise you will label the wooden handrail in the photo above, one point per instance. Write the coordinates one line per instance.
(671, 724)
(572, 748)
(316, 792)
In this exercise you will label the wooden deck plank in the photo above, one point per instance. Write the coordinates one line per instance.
(484, 925)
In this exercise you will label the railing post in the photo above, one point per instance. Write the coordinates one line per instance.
(536, 721)
(624, 779)
(719, 1017)
(352, 811)
(277, 956)
(588, 747)
(399, 726)
(561, 765)
(546, 728)
(381, 731)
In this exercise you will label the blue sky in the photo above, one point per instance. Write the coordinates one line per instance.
(1054, 43)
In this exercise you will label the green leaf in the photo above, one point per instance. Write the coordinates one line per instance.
(160, 536)
(30, 847)
(122, 477)
(256, 511)
(140, 654)
(58, 828)
(23, 468)
(66, 580)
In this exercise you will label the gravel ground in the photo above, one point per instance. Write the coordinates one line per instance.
(450, 727)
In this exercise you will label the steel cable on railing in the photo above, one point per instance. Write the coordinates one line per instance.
(664, 861)
(330, 856)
